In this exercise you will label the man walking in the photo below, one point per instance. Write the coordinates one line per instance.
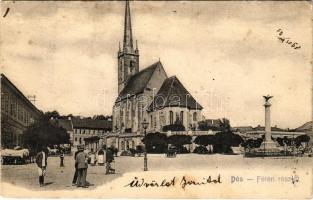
(74, 182)
(109, 160)
(61, 158)
(41, 161)
(82, 165)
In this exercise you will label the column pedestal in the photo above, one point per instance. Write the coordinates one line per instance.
(268, 143)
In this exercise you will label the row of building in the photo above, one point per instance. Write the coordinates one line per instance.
(18, 112)
(85, 131)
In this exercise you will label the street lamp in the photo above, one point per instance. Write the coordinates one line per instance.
(145, 126)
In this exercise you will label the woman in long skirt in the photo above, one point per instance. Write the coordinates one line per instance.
(101, 157)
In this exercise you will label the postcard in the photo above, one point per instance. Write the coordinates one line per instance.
(156, 99)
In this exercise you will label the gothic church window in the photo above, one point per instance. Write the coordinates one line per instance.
(177, 120)
(131, 66)
(181, 117)
(155, 121)
(162, 120)
(171, 117)
(123, 145)
(194, 116)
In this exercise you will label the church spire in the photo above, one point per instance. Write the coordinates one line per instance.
(128, 57)
(128, 36)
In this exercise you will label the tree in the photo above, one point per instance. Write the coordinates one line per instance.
(174, 127)
(179, 141)
(155, 142)
(44, 133)
(280, 141)
(201, 150)
(225, 125)
(226, 139)
(205, 126)
(54, 114)
(252, 143)
(102, 117)
(204, 140)
(300, 139)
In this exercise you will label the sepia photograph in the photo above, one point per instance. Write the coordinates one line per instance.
(156, 99)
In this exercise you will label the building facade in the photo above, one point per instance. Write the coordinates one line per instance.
(148, 95)
(90, 131)
(17, 113)
(67, 125)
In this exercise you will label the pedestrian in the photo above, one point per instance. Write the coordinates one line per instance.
(61, 158)
(109, 160)
(101, 157)
(74, 182)
(82, 165)
(92, 158)
(41, 161)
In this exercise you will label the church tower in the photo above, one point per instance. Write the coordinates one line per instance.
(128, 57)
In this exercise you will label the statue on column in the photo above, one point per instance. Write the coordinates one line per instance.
(267, 98)
(268, 143)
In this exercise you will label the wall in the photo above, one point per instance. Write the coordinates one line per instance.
(80, 134)
(132, 111)
(157, 122)
(17, 113)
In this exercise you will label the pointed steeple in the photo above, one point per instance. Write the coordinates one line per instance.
(136, 50)
(128, 35)
(128, 57)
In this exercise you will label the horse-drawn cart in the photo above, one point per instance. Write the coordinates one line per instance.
(15, 156)
(171, 152)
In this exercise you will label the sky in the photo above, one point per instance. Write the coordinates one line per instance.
(226, 54)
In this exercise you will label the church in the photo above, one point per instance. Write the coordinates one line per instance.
(147, 95)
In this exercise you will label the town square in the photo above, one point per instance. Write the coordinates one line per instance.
(95, 92)
(61, 178)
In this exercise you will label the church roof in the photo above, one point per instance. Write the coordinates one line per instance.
(138, 82)
(92, 124)
(65, 123)
(173, 94)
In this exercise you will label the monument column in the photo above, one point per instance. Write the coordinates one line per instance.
(268, 144)
(268, 134)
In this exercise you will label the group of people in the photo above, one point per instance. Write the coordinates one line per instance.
(81, 164)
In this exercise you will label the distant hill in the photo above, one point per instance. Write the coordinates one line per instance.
(244, 129)
(306, 127)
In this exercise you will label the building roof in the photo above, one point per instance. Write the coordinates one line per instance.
(65, 123)
(262, 128)
(213, 122)
(277, 133)
(138, 82)
(243, 128)
(173, 94)
(92, 124)
(306, 127)
(5, 80)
